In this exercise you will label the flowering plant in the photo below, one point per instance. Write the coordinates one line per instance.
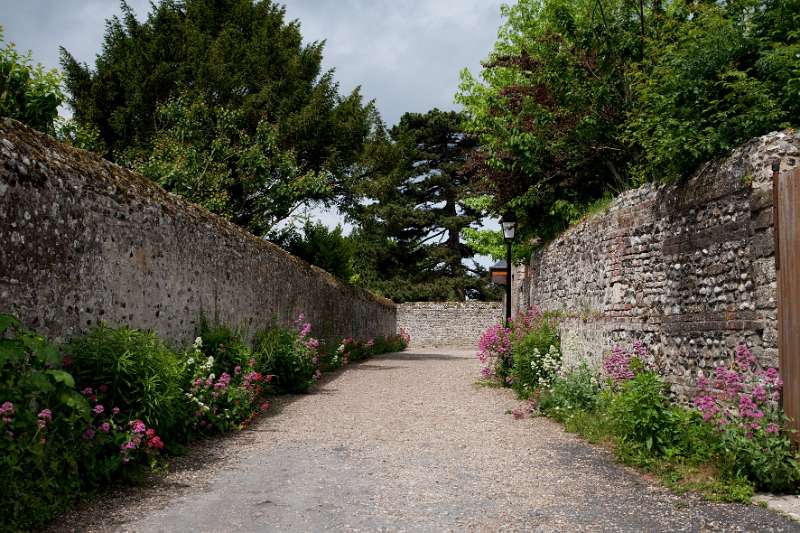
(742, 401)
(224, 402)
(622, 366)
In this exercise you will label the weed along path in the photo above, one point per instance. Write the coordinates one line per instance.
(407, 442)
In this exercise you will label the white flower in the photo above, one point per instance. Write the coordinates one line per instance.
(190, 361)
(198, 342)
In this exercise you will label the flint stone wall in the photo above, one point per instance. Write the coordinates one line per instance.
(688, 269)
(84, 241)
(447, 323)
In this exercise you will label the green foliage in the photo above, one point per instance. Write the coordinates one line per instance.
(28, 93)
(535, 357)
(768, 461)
(320, 246)
(281, 352)
(39, 467)
(144, 377)
(491, 243)
(641, 414)
(571, 393)
(225, 345)
(579, 98)
(205, 154)
(222, 102)
(698, 97)
(413, 211)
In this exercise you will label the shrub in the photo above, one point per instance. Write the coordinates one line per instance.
(225, 345)
(224, 401)
(742, 403)
(571, 392)
(289, 355)
(143, 377)
(640, 412)
(536, 357)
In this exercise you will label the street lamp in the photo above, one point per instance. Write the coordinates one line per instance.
(509, 224)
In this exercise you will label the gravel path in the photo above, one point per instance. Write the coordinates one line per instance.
(406, 442)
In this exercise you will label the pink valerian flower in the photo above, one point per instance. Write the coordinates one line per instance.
(312, 343)
(264, 406)
(486, 372)
(707, 406)
(7, 412)
(237, 370)
(155, 442)
(223, 381)
(89, 434)
(105, 427)
(98, 409)
(115, 410)
(87, 391)
(44, 417)
(743, 397)
(7, 409)
(495, 342)
(138, 426)
(617, 366)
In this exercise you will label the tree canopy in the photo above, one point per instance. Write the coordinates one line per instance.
(220, 100)
(584, 97)
(28, 92)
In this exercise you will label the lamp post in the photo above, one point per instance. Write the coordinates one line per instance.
(509, 224)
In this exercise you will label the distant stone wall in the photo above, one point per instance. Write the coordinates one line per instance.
(447, 323)
(687, 269)
(84, 241)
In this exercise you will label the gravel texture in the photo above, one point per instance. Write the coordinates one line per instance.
(406, 442)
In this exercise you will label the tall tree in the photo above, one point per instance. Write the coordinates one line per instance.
(234, 65)
(410, 224)
(581, 98)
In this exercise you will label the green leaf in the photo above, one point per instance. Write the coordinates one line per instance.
(7, 321)
(75, 401)
(62, 377)
(11, 350)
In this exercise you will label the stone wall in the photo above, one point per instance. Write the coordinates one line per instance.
(84, 241)
(688, 269)
(447, 323)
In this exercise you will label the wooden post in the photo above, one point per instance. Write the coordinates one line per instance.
(786, 211)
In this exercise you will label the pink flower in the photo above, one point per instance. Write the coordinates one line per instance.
(7, 409)
(89, 434)
(237, 370)
(106, 427)
(115, 410)
(98, 409)
(87, 391)
(138, 426)
(312, 343)
(155, 443)
(264, 406)
(45, 414)
(772, 428)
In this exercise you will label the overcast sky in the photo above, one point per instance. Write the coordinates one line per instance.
(406, 54)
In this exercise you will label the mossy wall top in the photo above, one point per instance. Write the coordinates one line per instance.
(85, 240)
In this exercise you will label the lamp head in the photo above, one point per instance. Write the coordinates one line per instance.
(509, 223)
